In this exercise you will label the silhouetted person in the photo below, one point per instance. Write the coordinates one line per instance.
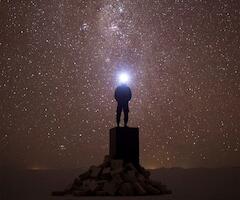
(123, 95)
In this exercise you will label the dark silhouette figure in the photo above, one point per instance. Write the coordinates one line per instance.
(123, 95)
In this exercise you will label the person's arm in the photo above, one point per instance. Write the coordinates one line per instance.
(130, 95)
(115, 95)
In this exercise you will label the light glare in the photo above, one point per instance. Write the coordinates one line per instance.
(123, 78)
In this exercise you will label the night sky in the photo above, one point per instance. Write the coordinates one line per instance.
(59, 62)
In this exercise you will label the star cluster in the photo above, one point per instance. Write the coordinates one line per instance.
(59, 62)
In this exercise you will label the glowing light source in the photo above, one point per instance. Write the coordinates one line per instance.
(123, 78)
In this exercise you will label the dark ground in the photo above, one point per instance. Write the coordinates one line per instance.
(201, 183)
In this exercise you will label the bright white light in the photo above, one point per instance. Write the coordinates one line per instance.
(123, 78)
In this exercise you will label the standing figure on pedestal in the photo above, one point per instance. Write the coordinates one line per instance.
(123, 95)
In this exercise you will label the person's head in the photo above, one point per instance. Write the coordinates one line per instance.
(123, 79)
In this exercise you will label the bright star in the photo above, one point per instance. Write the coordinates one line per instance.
(120, 9)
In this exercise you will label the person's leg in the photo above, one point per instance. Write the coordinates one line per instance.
(125, 110)
(119, 110)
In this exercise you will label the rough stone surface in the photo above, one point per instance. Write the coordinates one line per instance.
(126, 189)
(116, 164)
(95, 171)
(112, 178)
(139, 189)
(110, 188)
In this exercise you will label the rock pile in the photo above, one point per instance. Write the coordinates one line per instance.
(114, 177)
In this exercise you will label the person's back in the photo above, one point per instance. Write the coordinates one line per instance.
(123, 95)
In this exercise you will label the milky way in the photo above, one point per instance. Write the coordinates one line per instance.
(59, 64)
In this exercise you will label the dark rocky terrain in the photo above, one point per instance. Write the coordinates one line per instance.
(197, 183)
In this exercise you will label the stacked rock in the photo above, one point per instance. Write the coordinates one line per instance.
(114, 177)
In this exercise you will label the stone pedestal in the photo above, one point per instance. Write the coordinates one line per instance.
(120, 174)
(124, 144)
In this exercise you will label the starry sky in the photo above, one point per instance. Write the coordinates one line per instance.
(59, 62)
